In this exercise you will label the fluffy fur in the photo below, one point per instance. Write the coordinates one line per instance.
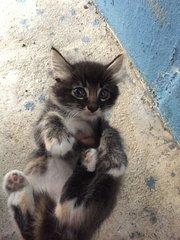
(71, 182)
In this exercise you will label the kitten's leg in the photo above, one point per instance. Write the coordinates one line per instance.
(112, 158)
(88, 198)
(20, 201)
(71, 211)
(51, 133)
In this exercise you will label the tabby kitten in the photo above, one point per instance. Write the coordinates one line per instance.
(70, 185)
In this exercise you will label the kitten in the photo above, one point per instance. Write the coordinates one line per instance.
(70, 185)
(77, 101)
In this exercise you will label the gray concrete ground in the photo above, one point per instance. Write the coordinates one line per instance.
(149, 203)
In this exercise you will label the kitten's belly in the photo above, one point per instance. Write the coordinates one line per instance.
(53, 180)
(77, 125)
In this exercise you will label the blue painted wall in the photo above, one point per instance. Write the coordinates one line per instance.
(150, 32)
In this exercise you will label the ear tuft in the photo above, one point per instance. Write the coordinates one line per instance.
(60, 66)
(115, 66)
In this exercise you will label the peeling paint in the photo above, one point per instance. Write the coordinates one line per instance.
(151, 215)
(62, 18)
(40, 11)
(150, 182)
(30, 105)
(41, 98)
(173, 174)
(136, 235)
(85, 39)
(52, 34)
(96, 22)
(76, 50)
(73, 12)
(24, 22)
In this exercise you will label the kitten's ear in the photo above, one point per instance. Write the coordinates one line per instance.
(116, 64)
(60, 66)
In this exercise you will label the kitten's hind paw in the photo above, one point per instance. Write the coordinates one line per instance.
(90, 159)
(14, 181)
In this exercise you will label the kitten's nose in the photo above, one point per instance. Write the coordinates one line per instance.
(92, 108)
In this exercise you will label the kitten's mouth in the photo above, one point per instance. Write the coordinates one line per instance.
(89, 113)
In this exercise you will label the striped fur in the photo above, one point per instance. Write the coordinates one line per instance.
(70, 185)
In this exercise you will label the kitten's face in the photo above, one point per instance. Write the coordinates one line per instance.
(85, 89)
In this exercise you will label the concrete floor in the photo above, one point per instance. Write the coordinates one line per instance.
(149, 204)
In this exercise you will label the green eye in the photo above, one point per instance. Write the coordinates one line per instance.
(104, 95)
(79, 92)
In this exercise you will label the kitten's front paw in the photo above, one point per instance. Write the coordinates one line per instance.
(90, 159)
(14, 181)
(60, 148)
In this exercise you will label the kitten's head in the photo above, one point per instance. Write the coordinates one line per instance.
(86, 89)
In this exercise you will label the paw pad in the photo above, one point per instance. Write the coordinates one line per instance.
(14, 180)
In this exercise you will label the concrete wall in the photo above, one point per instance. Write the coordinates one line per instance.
(150, 32)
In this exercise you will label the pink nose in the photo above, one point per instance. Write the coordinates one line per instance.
(92, 108)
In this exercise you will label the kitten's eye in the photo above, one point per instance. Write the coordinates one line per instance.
(79, 92)
(104, 95)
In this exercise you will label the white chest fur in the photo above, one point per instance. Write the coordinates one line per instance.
(53, 180)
